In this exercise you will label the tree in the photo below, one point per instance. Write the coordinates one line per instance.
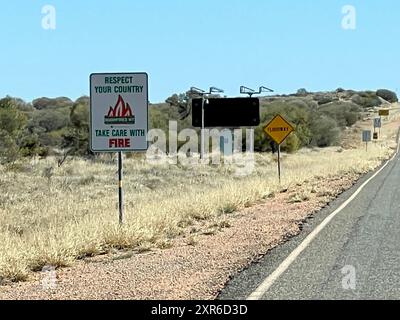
(11, 119)
(45, 103)
(292, 143)
(50, 119)
(12, 123)
(76, 137)
(346, 114)
(387, 95)
(325, 131)
(182, 103)
(80, 116)
(302, 92)
(366, 99)
(9, 151)
(30, 146)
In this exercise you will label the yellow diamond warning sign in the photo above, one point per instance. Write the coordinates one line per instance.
(279, 129)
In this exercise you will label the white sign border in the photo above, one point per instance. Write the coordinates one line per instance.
(91, 109)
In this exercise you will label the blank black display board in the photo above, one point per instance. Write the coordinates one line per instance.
(227, 112)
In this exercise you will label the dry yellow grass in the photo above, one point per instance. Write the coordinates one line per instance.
(52, 216)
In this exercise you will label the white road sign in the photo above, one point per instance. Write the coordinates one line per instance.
(118, 112)
(366, 136)
(377, 123)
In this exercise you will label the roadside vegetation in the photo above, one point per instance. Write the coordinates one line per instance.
(53, 214)
(59, 127)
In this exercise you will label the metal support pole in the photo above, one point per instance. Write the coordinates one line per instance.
(203, 94)
(202, 147)
(120, 191)
(251, 141)
(279, 163)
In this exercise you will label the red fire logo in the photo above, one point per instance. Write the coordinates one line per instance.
(120, 114)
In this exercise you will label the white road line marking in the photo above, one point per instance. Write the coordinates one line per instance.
(270, 280)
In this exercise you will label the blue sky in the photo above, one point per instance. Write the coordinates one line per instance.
(282, 44)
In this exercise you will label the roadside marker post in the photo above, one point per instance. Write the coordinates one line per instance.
(279, 129)
(377, 125)
(383, 113)
(119, 118)
(366, 137)
(380, 122)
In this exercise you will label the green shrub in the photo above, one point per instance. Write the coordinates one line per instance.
(387, 95)
(29, 145)
(292, 143)
(325, 131)
(12, 124)
(345, 113)
(9, 151)
(366, 99)
(325, 98)
(297, 111)
(47, 103)
(50, 120)
(302, 92)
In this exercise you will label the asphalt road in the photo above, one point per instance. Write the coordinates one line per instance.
(356, 256)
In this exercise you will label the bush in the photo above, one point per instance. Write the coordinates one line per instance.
(83, 100)
(11, 119)
(366, 99)
(388, 95)
(302, 92)
(345, 113)
(45, 103)
(79, 116)
(9, 151)
(325, 132)
(351, 118)
(323, 99)
(76, 137)
(50, 120)
(12, 123)
(53, 138)
(296, 111)
(30, 145)
(292, 143)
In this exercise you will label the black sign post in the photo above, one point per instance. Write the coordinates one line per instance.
(279, 163)
(120, 190)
